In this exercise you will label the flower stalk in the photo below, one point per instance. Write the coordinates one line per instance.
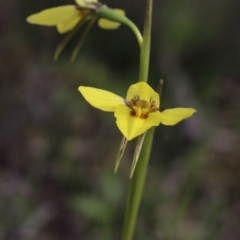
(110, 14)
(137, 182)
(146, 44)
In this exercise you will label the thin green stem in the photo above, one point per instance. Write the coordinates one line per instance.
(137, 182)
(146, 44)
(112, 15)
(137, 33)
(136, 188)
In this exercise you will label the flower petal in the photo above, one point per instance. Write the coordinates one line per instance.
(54, 16)
(144, 91)
(82, 3)
(131, 126)
(69, 24)
(110, 25)
(101, 99)
(154, 119)
(175, 115)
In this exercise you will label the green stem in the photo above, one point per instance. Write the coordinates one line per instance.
(137, 182)
(136, 188)
(137, 33)
(145, 49)
(110, 14)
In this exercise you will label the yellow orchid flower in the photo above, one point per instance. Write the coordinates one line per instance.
(138, 112)
(65, 18)
(135, 114)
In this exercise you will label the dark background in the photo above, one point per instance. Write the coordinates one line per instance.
(57, 153)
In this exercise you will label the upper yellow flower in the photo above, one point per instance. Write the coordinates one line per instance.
(65, 18)
(138, 112)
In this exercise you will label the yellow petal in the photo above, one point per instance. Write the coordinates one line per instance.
(69, 24)
(82, 3)
(107, 24)
(175, 115)
(54, 16)
(154, 119)
(131, 126)
(101, 99)
(110, 25)
(144, 91)
(86, 4)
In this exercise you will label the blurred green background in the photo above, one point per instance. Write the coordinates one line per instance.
(57, 153)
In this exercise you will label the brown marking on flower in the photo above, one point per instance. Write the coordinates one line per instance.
(141, 108)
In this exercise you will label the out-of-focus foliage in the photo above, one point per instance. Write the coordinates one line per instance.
(57, 153)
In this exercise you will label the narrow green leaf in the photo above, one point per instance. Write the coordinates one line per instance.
(82, 38)
(120, 152)
(67, 38)
(137, 152)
